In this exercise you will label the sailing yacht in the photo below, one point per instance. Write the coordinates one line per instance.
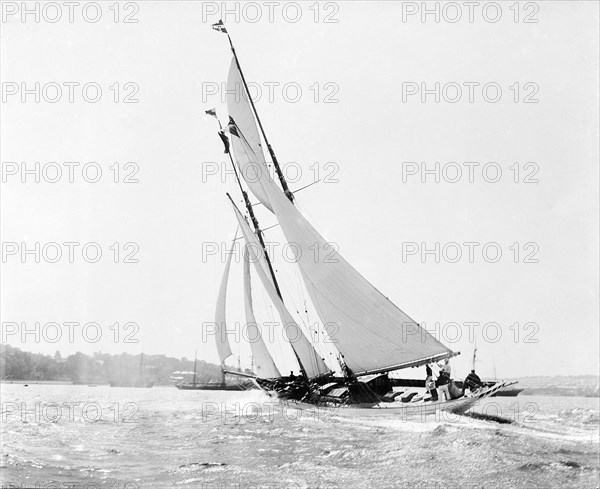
(129, 382)
(373, 336)
(194, 385)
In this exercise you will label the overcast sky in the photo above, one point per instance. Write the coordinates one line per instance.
(355, 124)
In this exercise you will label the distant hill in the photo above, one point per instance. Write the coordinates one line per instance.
(100, 368)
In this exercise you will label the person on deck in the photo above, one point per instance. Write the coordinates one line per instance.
(446, 367)
(430, 384)
(472, 381)
(442, 385)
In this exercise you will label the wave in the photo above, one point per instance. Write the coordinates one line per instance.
(580, 415)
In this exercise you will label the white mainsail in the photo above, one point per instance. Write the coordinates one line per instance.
(223, 347)
(313, 364)
(372, 333)
(249, 157)
(263, 361)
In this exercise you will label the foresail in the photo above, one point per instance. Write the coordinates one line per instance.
(223, 347)
(263, 361)
(313, 364)
(367, 328)
(247, 147)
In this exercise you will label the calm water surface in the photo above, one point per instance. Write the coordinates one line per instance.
(126, 438)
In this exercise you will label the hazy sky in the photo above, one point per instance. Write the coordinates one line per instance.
(354, 121)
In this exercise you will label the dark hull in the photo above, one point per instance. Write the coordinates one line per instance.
(329, 391)
(510, 392)
(377, 391)
(214, 387)
(294, 390)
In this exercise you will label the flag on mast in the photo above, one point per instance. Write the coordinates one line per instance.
(212, 112)
(225, 140)
(219, 26)
(232, 128)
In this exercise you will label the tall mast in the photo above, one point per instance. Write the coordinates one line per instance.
(284, 184)
(253, 218)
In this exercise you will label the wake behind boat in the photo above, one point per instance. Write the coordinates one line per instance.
(373, 337)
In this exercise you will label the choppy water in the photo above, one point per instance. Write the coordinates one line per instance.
(80, 436)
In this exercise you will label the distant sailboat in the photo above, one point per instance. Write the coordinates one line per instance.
(373, 336)
(211, 386)
(139, 382)
(507, 390)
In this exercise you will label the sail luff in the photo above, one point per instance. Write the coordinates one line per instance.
(223, 347)
(265, 367)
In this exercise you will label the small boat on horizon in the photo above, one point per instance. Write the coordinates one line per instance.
(181, 384)
(138, 383)
(509, 391)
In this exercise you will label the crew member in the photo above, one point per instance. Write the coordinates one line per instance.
(442, 385)
(430, 383)
(472, 382)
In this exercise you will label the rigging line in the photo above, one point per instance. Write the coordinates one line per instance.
(263, 230)
(294, 296)
(313, 333)
(332, 348)
(294, 192)
(291, 299)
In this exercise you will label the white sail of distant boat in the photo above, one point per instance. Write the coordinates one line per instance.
(263, 361)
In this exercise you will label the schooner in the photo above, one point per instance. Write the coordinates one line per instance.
(373, 336)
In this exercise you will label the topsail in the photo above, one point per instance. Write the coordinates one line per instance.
(247, 148)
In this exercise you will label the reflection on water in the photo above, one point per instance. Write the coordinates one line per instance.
(164, 437)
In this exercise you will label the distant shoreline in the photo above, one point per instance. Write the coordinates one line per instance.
(50, 382)
(63, 382)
